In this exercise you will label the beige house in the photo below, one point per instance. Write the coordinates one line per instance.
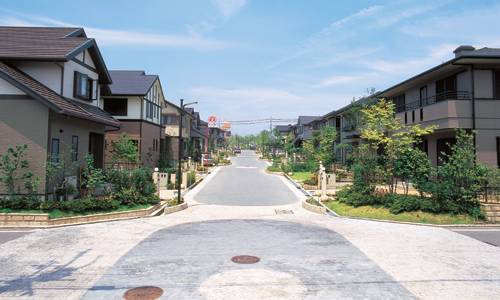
(462, 92)
(136, 100)
(170, 119)
(49, 82)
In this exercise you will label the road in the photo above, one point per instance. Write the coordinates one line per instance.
(300, 255)
(487, 235)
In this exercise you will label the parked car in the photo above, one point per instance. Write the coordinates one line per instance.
(280, 151)
(237, 150)
(208, 161)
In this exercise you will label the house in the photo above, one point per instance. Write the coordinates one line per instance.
(170, 119)
(198, 133)
(50, 81)
(303, 129)
(136, 100)
(461, 92)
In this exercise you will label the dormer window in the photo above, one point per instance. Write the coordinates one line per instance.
(85, 87)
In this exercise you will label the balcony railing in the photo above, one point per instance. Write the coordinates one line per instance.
(451, 95)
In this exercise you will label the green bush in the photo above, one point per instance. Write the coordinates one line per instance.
(273, 169)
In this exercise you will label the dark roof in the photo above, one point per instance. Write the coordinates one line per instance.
(197, 134)
(283, 127)
(304, 120)
(135, 83)
(484, 51)
(54, 101)
(190, 110)
(49, 44)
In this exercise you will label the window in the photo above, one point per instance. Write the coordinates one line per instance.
(55, 150)
(149, 109)
(421, 114)
(116, 107)
(406, 118)
(171, 120)
(399, 101)
(74, 148)
(413, 116)
(84, 87)
(445, 85)
(496, 78)
(423, 92)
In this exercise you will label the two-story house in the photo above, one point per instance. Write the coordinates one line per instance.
(304, 127)
(49, 80)
(136, 100)
(461, 92)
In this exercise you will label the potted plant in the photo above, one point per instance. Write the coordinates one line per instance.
(70, 192)
(60, 192)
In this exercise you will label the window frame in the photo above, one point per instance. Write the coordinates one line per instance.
(90, 85)
(74, 148)
(107, 109)
(55, 156)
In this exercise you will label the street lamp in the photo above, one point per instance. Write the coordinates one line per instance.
(180, 150)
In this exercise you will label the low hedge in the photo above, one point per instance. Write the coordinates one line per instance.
(78, 205)
(273, 169)
(396, 203)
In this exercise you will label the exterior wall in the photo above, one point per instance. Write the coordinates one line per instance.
(446, 114)
(48, 73)
(483, 84)
(144, 133)
(8, 89)
(15, 129)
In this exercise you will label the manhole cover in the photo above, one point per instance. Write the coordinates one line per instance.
(284, 212)
(245, 259)
(143, 293)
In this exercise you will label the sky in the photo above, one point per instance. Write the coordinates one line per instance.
(259, 59)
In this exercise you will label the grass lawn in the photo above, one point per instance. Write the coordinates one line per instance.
(301, 175)
(382, 213)
(56, 213)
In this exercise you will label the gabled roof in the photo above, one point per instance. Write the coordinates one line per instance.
(51, 99)
(304, 120)
(131, 83)
(197, 134)
(49, 44)
(283, 127)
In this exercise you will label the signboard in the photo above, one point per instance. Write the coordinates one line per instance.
(212, 122)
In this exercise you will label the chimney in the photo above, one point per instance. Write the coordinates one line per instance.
(463, 50)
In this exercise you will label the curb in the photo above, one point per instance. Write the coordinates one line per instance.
(314, 208)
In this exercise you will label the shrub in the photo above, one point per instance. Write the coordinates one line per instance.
(273, 169)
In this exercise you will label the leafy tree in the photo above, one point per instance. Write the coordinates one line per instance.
(11, 163)
(413, 165)
(459, 179)
(92, 177)
(124, 152)
(388, 138)
(321, 147)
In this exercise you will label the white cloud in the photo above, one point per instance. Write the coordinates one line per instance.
(228, 8)
(478, 27)
(199, 29)
(111, 37)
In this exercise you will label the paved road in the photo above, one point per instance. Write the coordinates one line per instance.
(302, 256)
(245, 183)
(487, 235)
(9, 235)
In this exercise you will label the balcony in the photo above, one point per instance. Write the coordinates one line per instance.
(451, 95)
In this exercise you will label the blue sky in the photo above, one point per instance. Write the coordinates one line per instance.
(253, 59)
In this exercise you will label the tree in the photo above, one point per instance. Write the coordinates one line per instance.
(124, 152)
(11, 163)
(387, 138)
(459, 179)
(322, 146)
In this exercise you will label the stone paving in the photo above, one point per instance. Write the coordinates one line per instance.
(303, 256)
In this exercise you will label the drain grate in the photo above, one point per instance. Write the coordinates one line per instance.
(284, 212)
(245, 259)
(143, 293)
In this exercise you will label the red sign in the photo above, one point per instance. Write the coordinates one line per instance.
(212, 119)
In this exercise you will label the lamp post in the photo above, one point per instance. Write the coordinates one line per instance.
(180, 149)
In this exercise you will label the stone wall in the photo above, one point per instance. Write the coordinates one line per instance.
(314, 208)
(17, 219)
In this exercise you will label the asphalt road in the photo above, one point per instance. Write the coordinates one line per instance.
(245, 183)
(487, 235)
(9, 235)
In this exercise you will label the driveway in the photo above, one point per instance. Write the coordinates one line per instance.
(300, 255)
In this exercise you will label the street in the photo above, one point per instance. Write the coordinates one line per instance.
(233, 213)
